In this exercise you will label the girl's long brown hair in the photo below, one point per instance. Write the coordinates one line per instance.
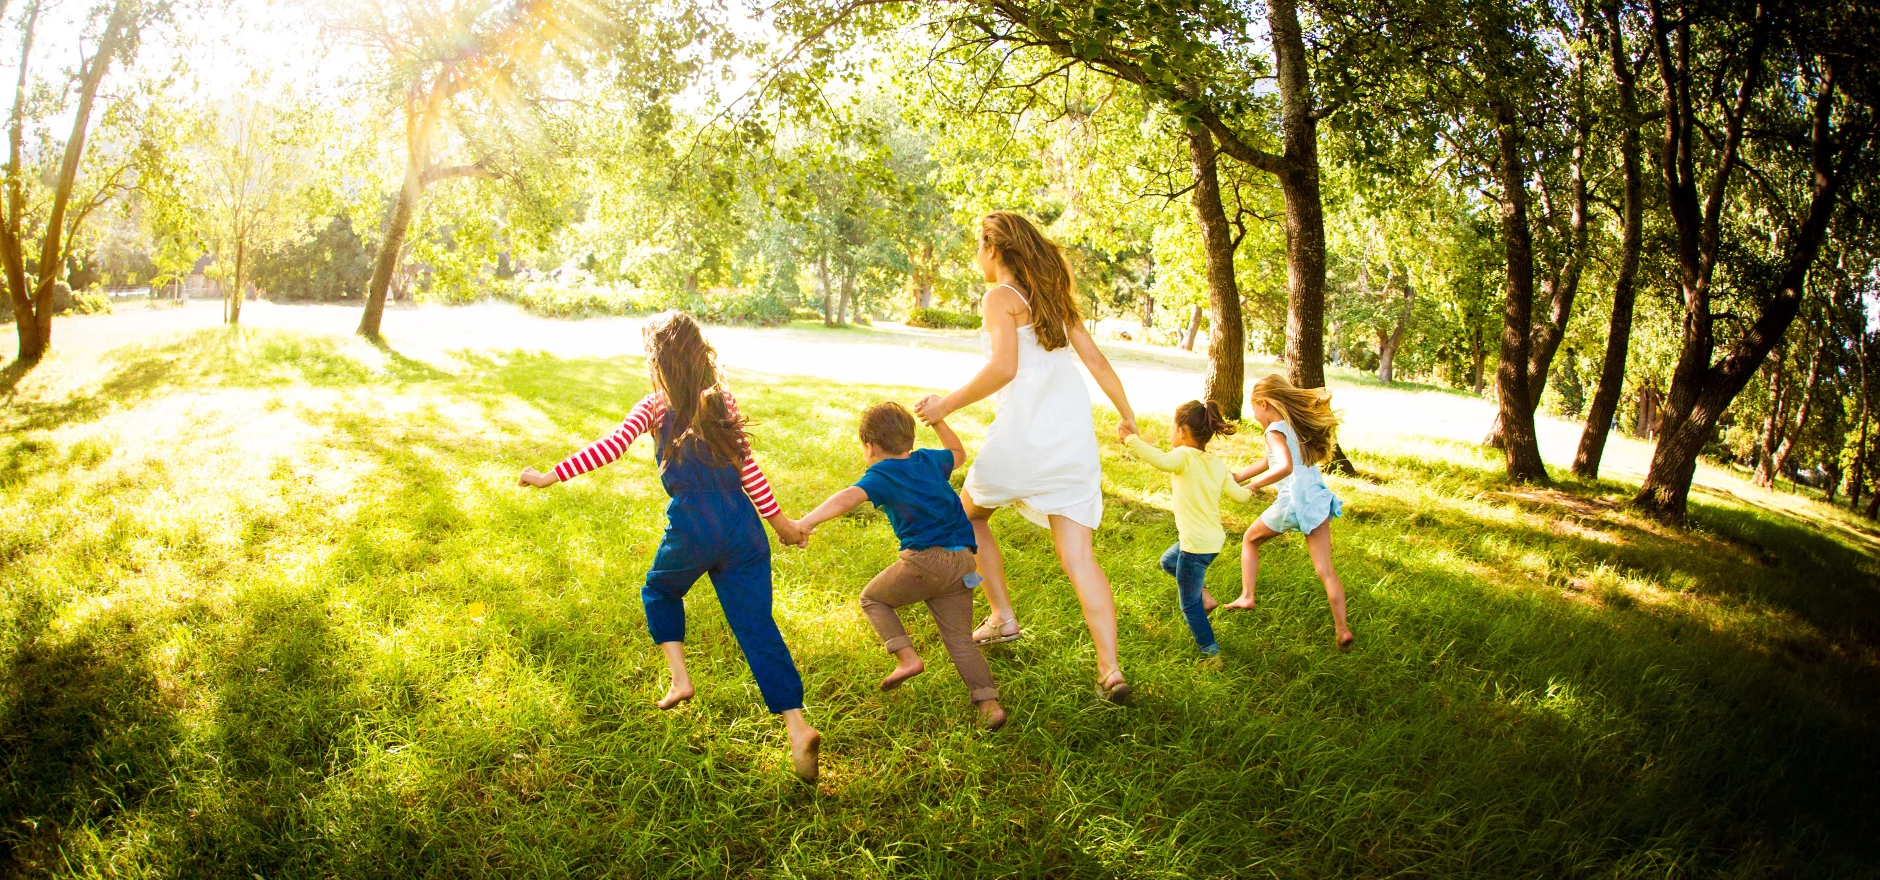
(1307, 410)
(685, 369)
(1203, 421)
(1041, 272)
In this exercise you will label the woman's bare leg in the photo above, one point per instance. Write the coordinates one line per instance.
(1077, 554)
(681, 689)
(1257, 534)
(1319, 543)
(991, 562)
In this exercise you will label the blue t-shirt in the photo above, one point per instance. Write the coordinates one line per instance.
(919, 502)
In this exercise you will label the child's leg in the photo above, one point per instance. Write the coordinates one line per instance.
(1319, 543)
(1191, 578)
(884, 593)
(1257, 534)
(744, 591)
(665, 621)
(681, 689)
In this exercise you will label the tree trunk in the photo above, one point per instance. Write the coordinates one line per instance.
(1766, 449)
(1148, 316)
(32, 313)
(396, 226)
(848, 296)
(1521, 448)
(1479, 353)
(234, 300)
(1305, 211)
(1857, 475)
(1605, 403)
(1227, 344)
(1700, 391)
(1387, 345)
(1780, 465)
(923, 294)
(828, 291)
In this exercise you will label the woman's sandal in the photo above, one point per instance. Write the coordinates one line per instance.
(1113, 689)
(994, 632)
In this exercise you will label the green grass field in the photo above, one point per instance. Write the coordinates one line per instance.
(272, 606)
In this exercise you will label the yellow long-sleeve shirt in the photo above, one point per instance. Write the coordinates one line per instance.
(1200, 479)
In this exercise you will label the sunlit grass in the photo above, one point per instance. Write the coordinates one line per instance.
(270, 605)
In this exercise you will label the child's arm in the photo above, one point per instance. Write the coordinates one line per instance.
(1161, 461)
(1235, 491)
(648, 412)
(1279, 461)
(838, 504)
(1248, 472)
(951, 441)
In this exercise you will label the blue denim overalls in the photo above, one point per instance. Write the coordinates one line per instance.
(712, 529)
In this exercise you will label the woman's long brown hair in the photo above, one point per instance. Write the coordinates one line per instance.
(1041, 272)
(1307, 410)
(685, 369)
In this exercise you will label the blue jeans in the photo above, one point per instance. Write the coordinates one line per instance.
(1190, 571)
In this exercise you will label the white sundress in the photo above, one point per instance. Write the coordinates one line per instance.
(1304, 500)
(1040, 455)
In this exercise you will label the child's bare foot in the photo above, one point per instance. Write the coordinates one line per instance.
(1243, 603)
(991, 714)
(806, 753)
(1208, 602)
(903, 671)
(1345, 639)
(678, 693)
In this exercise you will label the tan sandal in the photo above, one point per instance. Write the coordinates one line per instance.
(1113, 689)
(994, 632)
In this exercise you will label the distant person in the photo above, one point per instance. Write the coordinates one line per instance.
(1200, 479)
(1300, 431)
(1040, 454)
(717, 494)
(937, 544)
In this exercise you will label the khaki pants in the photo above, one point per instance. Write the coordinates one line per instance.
(938, 577)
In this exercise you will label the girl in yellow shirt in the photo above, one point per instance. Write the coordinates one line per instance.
(1200, 479)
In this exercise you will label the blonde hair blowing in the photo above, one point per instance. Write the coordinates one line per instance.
(1307, 410)
(1041, 272)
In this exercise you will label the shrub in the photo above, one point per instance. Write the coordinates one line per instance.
(91, 302)
(583, 298)
(938, 319)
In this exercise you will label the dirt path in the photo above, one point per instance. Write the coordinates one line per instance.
(1157, 378)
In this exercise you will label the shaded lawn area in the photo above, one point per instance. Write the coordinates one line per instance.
(271, 605)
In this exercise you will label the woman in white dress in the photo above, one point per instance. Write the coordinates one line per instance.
(1040, 455)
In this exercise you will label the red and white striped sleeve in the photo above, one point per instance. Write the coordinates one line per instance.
(751, 475)
(648, 414)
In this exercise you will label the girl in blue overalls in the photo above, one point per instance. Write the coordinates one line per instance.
(717, 493)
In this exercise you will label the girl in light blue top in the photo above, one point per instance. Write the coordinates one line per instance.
(1300, 431)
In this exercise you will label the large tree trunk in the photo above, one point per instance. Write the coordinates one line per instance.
(1700, 391)
(33, 314)
(1387, 345)
(1780, 464)
(1227, 344)
(828, 292)
(1765, 475)
(1521, 447)
(848, 296)
(1305, 211)
(1605, 403)
(1194, 328)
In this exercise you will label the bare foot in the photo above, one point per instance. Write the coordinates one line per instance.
(1345, 639)
(991, 714)
(675, 695)
(902, 672)
(1245, 602)
(1208, 602)
(805, 754)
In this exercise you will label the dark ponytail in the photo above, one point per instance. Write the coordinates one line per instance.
(1203, 421)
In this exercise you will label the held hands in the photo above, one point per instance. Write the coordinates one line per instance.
(789, 532)
(533, 479)
(1124, 431)
(932, 409)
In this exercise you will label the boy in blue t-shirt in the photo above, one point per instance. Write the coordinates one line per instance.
(937, 565)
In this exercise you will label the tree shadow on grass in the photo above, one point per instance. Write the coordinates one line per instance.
(86, 732)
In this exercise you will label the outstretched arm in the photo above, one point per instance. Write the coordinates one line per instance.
(838, 504)
(1100, 370)
(1279, 461)
(951, 441)
(1250, 471)
(650, 411)
(1002, 326)
(1158, 459)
